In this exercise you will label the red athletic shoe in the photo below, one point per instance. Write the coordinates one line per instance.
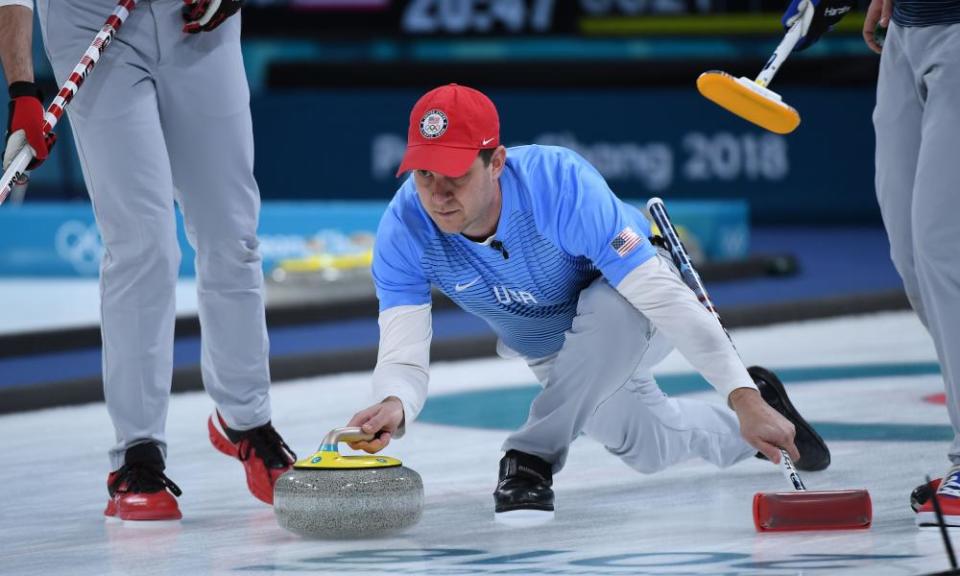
(948, 495)
(264, 454)
(139, 490)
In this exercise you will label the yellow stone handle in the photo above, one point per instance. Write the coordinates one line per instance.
(328, 456)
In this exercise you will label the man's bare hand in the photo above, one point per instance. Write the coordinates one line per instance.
(382, 419)
(878, 13)
(763, 427)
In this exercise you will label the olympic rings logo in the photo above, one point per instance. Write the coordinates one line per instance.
(79, 244)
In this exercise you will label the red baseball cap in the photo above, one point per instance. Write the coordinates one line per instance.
(449, 125)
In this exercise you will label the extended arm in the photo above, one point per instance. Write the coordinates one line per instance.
(657, 291)
(660, 294)
(401, 377)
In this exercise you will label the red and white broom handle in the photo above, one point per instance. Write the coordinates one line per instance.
(17, 168)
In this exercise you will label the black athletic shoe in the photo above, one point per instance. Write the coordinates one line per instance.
(814, 454)
(524, 490)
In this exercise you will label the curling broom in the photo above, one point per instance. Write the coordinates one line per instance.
(801, 509)
(751, 99)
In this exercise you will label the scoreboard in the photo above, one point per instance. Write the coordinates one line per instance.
(359, 19)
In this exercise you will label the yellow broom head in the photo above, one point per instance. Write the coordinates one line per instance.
(749, 100)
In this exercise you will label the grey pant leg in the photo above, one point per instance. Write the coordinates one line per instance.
(931, 70)
(936, 202)
(205, 111)
(651, 431)
(896, 120)
(600, 383)
(125, 166)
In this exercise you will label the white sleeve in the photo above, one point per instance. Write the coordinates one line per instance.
(403, 358)
(656, 290)
(24, 3)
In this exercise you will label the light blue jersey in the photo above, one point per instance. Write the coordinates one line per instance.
(560, 227)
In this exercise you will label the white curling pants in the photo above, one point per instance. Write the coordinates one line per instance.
(163, 118)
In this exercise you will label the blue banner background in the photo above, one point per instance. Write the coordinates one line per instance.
(61, 239)
(669, 142)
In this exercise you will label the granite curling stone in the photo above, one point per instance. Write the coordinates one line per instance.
(331, 496)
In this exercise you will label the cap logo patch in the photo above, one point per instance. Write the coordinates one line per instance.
(433, 124)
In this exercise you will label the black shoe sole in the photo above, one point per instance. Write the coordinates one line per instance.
(514, 507)
(806, 436)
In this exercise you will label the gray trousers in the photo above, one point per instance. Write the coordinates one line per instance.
(165, 117)
(601, 384)
(917, 120)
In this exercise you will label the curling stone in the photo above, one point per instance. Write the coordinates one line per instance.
(331, 496)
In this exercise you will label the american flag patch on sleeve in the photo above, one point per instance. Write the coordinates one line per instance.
(625, 241)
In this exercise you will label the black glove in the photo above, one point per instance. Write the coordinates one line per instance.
(825, 13)
(205, 15)
(25, 125)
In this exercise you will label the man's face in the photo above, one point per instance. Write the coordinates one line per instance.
(468, 204)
